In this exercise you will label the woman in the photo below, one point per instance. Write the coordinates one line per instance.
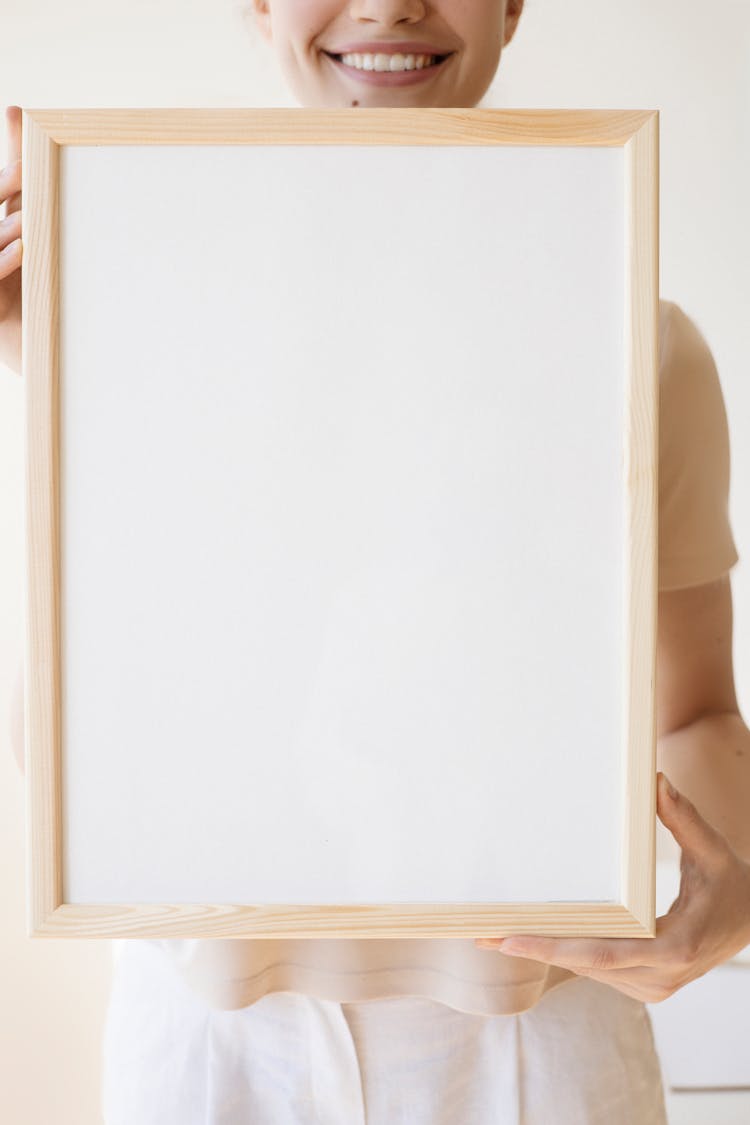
(452, 1031)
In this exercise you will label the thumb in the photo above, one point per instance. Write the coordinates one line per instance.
(691, 831)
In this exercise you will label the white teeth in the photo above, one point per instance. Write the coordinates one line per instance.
(388, 62)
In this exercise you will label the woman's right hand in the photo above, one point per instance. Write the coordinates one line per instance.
(10, 333)
(11, 246)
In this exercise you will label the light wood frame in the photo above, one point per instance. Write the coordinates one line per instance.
(45, 131)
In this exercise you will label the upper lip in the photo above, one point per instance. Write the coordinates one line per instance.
(402, 46)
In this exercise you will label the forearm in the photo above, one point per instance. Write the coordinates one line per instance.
(709, 761)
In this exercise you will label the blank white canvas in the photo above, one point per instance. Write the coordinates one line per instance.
(341, 523)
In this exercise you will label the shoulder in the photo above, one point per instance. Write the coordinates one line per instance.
(666, 313)
(690, 391)
(684, 352)
(695, 537)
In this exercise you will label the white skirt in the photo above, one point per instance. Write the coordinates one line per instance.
(584, 1055)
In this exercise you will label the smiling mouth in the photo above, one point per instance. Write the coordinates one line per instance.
(435, 61)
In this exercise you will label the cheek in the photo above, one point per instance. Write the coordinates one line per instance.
(310, 19)
(478, 24)
(489, 27)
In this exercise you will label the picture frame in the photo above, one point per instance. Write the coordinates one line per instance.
(115, 817)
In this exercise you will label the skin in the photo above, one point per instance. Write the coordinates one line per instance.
(697, 715)
(11, 246)
(299, 31)
(702, 738)
(708, 922)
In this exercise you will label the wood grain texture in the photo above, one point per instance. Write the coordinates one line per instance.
(466, 920)
(44, 131)
(39, 344)
(370, 126)
(641, 449)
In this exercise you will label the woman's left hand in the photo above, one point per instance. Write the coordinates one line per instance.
(707, 923)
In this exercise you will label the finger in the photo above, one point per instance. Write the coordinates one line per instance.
(648, 983)
(691, 831)
(13, 119)
(10, 258)
(671, 933)
(598, 954)
(10, 187)
(10, 229)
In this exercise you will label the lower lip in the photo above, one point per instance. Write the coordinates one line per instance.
(390, 77)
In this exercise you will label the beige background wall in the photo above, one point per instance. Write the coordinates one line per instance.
(686, 58)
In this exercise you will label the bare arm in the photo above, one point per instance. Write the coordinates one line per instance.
(703, 741)
(709, 761)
